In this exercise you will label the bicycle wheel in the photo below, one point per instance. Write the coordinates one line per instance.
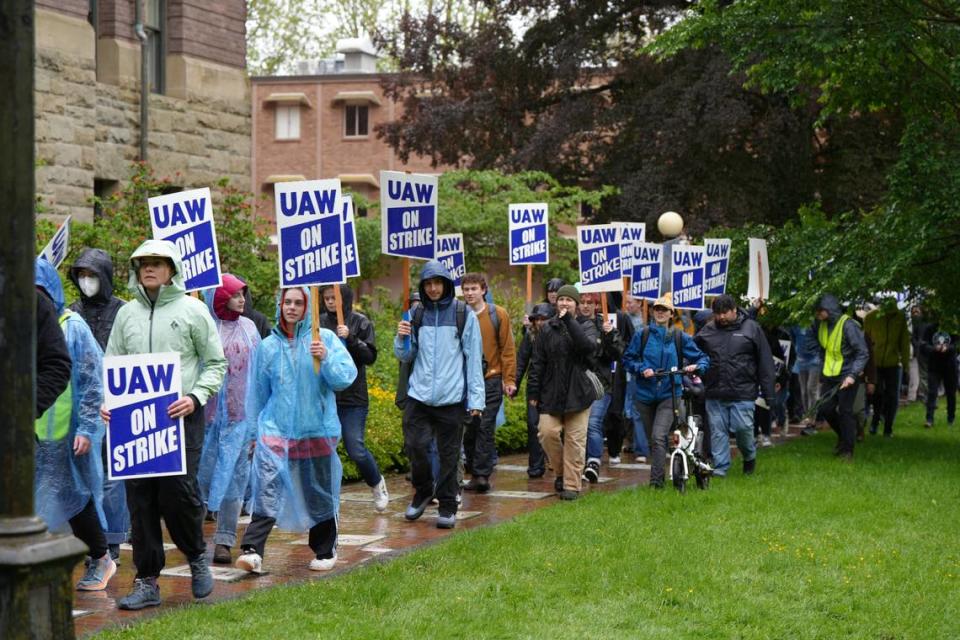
(676, 470)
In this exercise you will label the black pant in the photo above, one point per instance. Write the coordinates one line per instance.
(479, 443)
(886, 398)
(536, 463)
(86, 526)
(615, 430)
(174, 498)
(421, 424)
(322, 540)
(936, 376)
(838, 411)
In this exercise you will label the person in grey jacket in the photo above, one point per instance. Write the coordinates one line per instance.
(844, 353)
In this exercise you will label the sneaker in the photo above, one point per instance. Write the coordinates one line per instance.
(591, 472)
(250, 561)
(201, 580)
(641, 459)
(381, 497)
(221, 554)
(749, 466)
(446, 521)
(614, 460)
(417, 507)
(146, 593)
(324, 564)
(558, 484)
(566, 494)
(765, 441)
(98, 574)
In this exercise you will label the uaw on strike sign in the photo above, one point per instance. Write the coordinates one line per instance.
(408, 214)
(186, 219)
(142, 440)
(310, 232)
(529, 240)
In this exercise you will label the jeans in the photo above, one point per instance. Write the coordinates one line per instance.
(809, 389)
(353, 424)
(641, 446)
(660, 415)
(730, 417)
(598, 412)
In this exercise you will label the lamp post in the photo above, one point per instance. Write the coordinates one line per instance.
(36, 593)
(670, 226)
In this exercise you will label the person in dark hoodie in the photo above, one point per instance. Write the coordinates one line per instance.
(844, 352)
(92, 274)
(740, 363)
(536, 463)
(939, 349)
(444, 346)
(353, 403)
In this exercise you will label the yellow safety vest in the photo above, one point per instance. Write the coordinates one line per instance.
(831, 341)
(54, 424)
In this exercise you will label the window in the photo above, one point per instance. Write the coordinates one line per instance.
(356, 117)
(288, 122)
(155, 15)
(102, 189)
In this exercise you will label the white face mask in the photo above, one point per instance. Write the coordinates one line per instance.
(89, 286)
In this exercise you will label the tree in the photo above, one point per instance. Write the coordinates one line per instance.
(572, 95)
(890, 61)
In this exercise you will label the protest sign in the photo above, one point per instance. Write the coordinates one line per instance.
(310, 232)
(630, 234)
(186, 219)
(408, 214)
(350, 256)
(715, 266)
(56, 250)
(598, 246)
(142, 440)
(645, 278)
(450, 255)
(759, 283)
(529, 237)
(687, 276)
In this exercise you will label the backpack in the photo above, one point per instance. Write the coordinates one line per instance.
(406, 368)
(677, 341)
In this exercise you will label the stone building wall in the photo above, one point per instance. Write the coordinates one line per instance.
(87, 103)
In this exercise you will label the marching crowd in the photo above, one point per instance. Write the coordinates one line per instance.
(262, 422)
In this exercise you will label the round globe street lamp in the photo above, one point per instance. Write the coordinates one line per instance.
(670, 224)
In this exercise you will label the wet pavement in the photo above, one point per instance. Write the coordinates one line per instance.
(364, 534)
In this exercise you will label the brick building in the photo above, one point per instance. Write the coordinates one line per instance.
(321, 125)
(88, 120)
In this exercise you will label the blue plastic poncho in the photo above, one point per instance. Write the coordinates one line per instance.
(296, 471)
(65, 483)
(223, 471)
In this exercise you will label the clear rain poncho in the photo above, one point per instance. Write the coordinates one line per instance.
(223, 473)
(65, 483)
(296, 471)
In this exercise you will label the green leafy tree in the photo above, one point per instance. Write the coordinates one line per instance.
(883, 59)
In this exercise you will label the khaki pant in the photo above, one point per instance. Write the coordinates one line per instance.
(565, 455)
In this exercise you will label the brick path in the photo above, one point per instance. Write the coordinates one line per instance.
(364, 534)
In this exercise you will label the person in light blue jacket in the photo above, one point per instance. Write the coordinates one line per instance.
(68, 483)
(296, 470)
(446, 382)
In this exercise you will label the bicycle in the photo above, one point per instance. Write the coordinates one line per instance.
(686, 437)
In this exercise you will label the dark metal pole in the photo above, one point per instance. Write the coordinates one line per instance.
(144, 79)
(35, 590)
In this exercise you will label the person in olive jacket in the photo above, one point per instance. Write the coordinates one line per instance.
(558, 387)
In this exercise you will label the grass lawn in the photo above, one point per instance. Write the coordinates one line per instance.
(808, 548)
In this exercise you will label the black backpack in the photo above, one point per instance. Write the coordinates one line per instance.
(406, 368)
